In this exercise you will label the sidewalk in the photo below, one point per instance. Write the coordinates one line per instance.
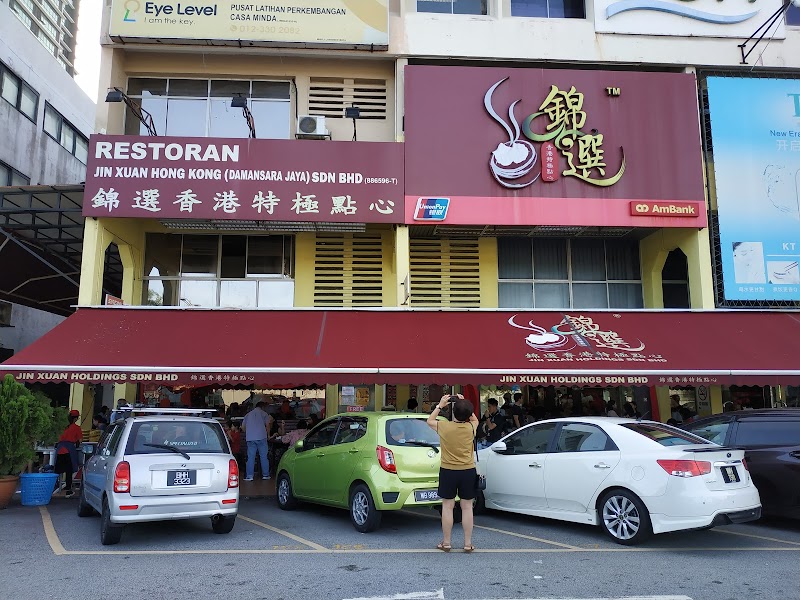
(258, 488)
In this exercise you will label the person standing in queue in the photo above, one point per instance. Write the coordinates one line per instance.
(493, 424)
(457, 473)
(256, 425)
(67, 451)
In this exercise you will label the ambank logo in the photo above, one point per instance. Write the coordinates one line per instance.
(131, 8)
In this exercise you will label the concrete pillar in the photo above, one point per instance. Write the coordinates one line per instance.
(402, 266)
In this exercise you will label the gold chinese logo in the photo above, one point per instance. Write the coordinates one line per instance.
(565, 119)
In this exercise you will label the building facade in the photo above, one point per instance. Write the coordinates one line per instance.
(540, 158)
(46, 121)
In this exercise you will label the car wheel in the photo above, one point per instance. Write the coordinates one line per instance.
(223, 524)
(84, 508)
(284, 494)
(110, 534)
(624, 517)
(363, 514)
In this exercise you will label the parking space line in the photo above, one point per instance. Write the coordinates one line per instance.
(58, 548)
(511, 533)
(757, 537)
(50, 532)
(291, 536)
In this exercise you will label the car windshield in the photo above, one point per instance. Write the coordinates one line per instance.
(665, 435)
(410, 432)
(186, 436)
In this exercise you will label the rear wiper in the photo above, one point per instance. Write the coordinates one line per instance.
(426, 444)
(173, 448)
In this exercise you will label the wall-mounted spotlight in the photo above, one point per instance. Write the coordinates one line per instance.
(239, 101)
(145, 118)
(352, 112)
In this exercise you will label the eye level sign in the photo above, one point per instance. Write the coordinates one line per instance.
(431, 209)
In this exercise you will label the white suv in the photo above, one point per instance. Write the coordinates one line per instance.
(158, 468)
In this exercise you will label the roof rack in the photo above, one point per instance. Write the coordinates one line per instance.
(123, 412)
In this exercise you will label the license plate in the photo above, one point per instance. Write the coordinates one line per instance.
(426, 495)
(181, 478)
(730, 475)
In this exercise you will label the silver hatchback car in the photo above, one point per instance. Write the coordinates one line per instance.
(157, 468)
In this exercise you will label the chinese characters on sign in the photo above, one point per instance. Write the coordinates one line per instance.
(130, 178)
(565, 117)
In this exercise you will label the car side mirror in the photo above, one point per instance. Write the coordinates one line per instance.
(298, 446)
(499, 447)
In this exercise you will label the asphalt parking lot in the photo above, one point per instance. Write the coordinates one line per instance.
(263, 528)
(314, 553)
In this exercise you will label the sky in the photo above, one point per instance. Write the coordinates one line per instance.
(87, 51)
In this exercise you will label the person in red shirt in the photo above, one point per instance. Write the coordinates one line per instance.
(67, 451)
(235, 436)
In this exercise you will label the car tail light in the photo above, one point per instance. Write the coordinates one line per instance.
(685, 468)
(233, 474)
(386, 460)
(744, 464)
(122, 478)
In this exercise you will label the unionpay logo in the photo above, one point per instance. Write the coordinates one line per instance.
(431, 209)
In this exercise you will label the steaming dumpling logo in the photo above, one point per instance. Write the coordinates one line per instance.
(515, 158)
(542, 339)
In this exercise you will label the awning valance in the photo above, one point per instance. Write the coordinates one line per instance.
(395, 346)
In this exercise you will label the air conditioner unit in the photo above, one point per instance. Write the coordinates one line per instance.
(311, 125)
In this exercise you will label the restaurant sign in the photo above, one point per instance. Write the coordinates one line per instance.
(244, 179)
(278, 22)
(554, 147)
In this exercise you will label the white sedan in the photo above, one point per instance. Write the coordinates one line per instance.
(631, 477)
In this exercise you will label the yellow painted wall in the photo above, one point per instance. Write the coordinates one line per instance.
(304, 245)
(489, 274)
(695, 245)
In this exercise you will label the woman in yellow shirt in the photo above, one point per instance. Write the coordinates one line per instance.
(457, 473)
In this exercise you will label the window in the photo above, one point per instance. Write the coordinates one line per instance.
(351, 429)
(10, 176)
(157, 437)
(559, 273)
(61, 130)
(238, 271)
(202, 108)
(410, 432)
(752, 432)
(578, 437)
(18, 93)
(793, 15)
(665, 435)
(110, 442)
(551, 9)
(531, 440)
(321, 437)
(715, 431)
(453, 7)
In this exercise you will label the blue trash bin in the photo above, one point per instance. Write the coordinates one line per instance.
(37, 488)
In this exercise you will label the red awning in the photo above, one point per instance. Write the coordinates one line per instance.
(306, 346)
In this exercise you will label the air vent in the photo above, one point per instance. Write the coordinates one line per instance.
(348, 269)
(445, 273)
(329, 96)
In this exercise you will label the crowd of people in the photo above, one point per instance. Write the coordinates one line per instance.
(258, 429)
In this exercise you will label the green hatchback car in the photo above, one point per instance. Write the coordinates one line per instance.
(367, 462)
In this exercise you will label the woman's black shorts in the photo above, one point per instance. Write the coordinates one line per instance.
(459, 483)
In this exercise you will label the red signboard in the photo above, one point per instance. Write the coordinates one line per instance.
(244, 179)
(641, 208)
(552, 146)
